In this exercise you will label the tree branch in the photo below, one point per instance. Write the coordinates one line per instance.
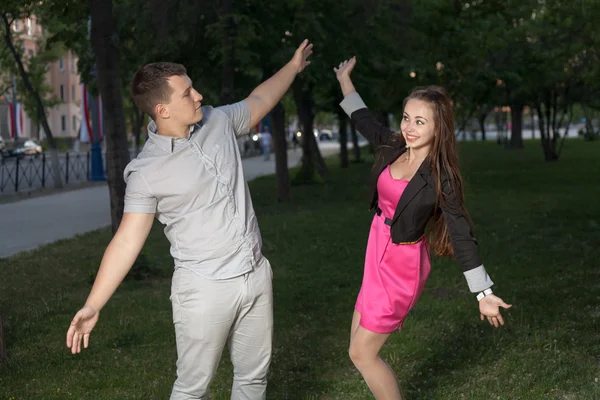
(7, 20)
(562, 142)
(26, 81)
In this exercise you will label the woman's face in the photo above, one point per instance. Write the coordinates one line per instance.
(418, 124)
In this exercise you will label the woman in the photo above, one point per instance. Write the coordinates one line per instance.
(417, 183)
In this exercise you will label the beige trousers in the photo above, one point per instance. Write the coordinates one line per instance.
(208, 314)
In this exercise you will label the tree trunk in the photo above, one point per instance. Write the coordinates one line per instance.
(320, 162)
(548, 145)
(227, 72)
(557, 129)
(138, 120)
(504, 129)
(562, 141)
(516, 134)
(588, 114)
(482, 118)
(355, 146)
(462, 126)
(104, 43)
(3, 358)
(343, 129)
(308, 166)
(498, 122)
(311, 156)
(38, 100)
(532, 123)
(281, 160)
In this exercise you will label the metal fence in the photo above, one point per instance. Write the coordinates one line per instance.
(29, 173)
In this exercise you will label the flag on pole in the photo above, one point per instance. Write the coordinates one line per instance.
(16, 120)
(85, 133)
(100, 133)
(19, 119)
(11, 109)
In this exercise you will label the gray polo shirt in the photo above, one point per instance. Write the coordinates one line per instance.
(197, 189)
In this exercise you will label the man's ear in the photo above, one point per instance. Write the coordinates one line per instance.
(161, 111)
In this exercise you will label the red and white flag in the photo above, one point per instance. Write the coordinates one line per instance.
(85, 133)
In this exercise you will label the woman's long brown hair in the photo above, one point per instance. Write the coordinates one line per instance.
(444, 159)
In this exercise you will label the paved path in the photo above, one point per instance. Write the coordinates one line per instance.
(30, 223)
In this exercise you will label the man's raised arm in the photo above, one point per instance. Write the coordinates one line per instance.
(267, 94)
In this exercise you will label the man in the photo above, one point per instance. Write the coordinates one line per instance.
(189, 174)
(265, 138)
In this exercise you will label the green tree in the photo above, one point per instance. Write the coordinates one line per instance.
(31, 72)
(105, 45)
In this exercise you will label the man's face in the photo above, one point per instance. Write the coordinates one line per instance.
(184, 107)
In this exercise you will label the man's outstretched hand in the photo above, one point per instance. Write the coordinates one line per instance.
(301, 55)
(80, 329)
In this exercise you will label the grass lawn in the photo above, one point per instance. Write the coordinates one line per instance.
(538, 225)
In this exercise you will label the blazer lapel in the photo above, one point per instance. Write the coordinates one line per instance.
(415, 185)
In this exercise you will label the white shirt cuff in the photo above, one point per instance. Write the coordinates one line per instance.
(351, 103)
(478, 279)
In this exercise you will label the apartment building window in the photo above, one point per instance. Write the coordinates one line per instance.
(30, 52)
(72, 93)
(17, 26)
(63, 123)
(61, 64)
(29, 27)
(73, 63)
(62, 92)
(74, 124)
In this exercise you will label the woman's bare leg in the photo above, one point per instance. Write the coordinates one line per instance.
(355, 323)
(364, 352)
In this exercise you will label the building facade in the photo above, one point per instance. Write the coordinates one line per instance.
(62, 77)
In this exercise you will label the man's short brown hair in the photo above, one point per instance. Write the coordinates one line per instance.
(150, 86)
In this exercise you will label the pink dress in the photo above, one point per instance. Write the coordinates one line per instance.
(395, 274)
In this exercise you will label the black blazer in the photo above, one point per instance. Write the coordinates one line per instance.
(416, 205)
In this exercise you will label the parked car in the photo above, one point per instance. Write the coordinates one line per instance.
(21, 148)
(328, 135)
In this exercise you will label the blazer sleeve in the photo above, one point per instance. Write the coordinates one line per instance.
(375, 132)
(463, 242)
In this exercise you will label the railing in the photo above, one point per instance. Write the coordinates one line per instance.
(20, 174)
(28, 173)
